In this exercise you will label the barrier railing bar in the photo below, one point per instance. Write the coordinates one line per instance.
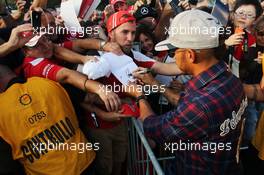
(148, 149)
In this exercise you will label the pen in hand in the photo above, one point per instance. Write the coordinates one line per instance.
(141, 72)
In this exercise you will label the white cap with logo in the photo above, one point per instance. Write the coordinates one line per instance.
(193, 29)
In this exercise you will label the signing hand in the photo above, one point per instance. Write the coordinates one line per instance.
(144, 78)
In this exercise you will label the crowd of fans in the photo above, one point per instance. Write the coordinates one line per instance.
(59, 88)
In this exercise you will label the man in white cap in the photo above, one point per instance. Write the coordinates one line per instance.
(203, 130)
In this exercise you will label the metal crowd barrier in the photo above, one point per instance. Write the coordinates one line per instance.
(141, 159)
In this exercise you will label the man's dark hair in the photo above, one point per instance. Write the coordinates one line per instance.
(255, 3)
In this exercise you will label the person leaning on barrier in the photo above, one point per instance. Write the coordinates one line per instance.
(209, 111)
(111, 130)
(41, 118)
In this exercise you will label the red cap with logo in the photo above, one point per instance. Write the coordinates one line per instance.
(118, 19)
(115, 1)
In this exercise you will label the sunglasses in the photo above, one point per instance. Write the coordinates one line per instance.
(171, 52)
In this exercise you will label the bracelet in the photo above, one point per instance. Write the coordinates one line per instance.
(102, 44)
(85, 89)
(141, 97)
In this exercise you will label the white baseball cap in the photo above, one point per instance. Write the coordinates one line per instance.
(33, 41)
(193, 29)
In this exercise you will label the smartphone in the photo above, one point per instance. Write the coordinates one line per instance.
(36, 20)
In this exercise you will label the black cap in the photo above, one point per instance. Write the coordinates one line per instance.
(145, 11)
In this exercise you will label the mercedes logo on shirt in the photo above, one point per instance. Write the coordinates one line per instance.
(144, 11)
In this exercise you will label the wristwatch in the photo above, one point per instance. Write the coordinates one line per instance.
(140, 98)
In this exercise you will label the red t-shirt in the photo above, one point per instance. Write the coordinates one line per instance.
(43, 67)
(40, 67)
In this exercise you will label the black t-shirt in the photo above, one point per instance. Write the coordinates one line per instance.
(250, 70)
(5, 33)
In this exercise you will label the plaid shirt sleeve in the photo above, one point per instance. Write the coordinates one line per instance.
(188, 120)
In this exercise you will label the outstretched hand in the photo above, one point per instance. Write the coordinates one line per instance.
(111, 100)
(20, 36)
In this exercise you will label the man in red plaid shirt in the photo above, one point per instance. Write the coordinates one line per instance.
(203, 130)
